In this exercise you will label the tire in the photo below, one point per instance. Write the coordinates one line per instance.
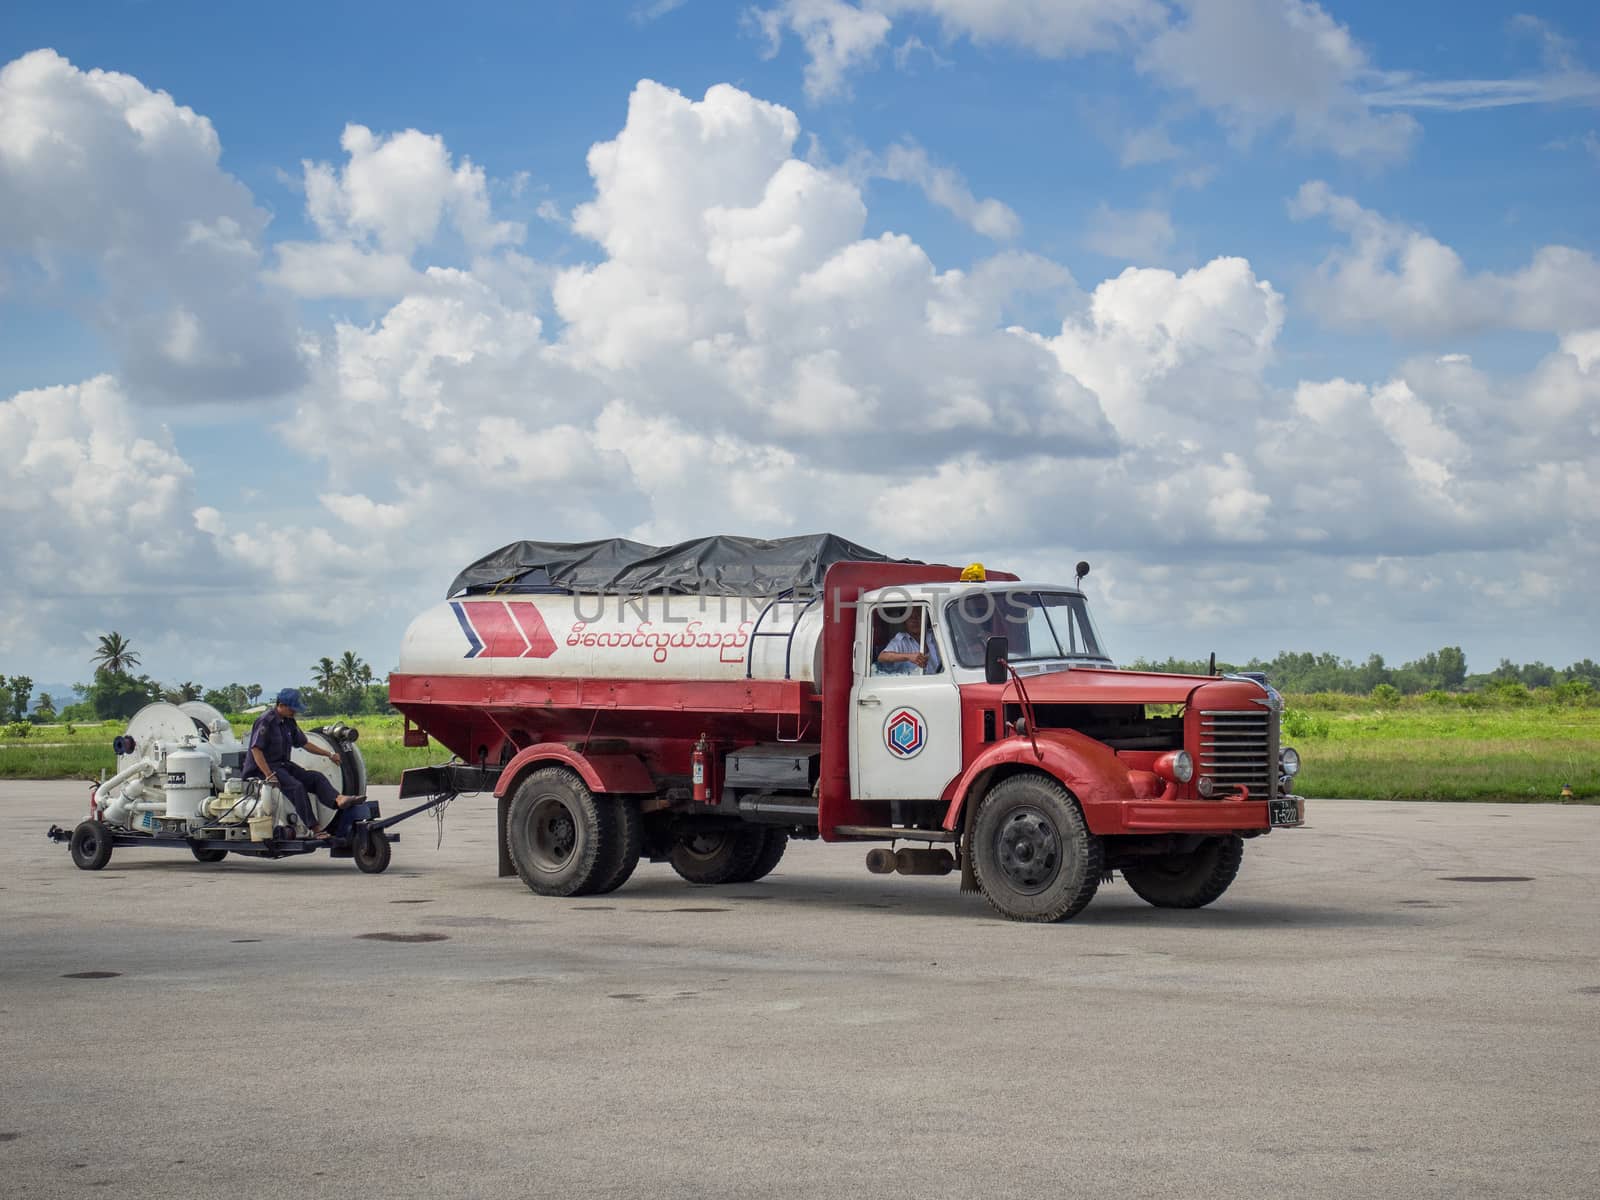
(774, 843)
(1190, 880)
(207, 854)
(560, 836)
(90, 846)
(718, 855)
(371, 850)
(1034, 856)
(627, 845)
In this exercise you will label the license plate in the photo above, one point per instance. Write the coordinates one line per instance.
(1286, 810)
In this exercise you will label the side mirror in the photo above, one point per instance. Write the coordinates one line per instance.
(995, 652)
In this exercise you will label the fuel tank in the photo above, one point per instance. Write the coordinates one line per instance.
(617, 637)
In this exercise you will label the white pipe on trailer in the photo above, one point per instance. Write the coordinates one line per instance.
(143, 769)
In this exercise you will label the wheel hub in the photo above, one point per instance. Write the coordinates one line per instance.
(1029, 850)
(555, 833)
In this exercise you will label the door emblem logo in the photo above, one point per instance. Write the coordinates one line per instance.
(905, 733)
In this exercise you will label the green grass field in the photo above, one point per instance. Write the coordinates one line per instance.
(1415, 750)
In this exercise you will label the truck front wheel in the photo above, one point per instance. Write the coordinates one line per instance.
(560, 834)
(1033, 854)
(1190, 880)
(718, 855)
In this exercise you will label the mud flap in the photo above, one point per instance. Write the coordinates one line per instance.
(969, 875)
(502, 807)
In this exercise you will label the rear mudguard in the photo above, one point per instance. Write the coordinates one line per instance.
(623, 773)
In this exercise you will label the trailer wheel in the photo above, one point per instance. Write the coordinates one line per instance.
(774, 843)
(372, 851)
(717, 855)
(1190, 880)
(90, 845)
(628, 843)
(208, 854)
(560, 835)
(1033, 854)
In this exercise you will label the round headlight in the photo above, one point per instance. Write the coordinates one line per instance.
(1289, 760)
(1182, 766)
(1207, 786)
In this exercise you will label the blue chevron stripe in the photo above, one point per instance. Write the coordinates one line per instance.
(466, 628)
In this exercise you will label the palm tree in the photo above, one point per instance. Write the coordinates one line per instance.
(350, 668)
(325, 675)
(252, 693)
(115, 654)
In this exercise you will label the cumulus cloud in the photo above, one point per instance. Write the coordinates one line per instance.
(391, 197)
(94, 514)
(1173, 355)
(1395, 277)
(100, 174)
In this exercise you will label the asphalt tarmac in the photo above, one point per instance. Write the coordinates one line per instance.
(1395, 1001)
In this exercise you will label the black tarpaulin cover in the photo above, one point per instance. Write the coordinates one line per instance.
(716, 566)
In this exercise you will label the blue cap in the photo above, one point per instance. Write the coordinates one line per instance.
(291, 697)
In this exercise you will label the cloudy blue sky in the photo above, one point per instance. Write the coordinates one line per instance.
(1286, 316)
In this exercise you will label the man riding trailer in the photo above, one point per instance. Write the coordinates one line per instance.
(273, 738)
(702, 703)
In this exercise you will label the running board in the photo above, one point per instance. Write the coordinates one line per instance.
(893, 833)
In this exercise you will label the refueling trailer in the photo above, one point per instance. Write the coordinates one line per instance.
(178, 784)
(703, 703)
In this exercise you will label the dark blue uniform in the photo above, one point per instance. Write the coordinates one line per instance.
(276, 737)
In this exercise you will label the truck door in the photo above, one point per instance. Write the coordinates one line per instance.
(905, 729)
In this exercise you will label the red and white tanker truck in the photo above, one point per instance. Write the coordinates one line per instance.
(703, 703)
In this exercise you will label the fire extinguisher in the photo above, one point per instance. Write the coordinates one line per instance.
(697, 763)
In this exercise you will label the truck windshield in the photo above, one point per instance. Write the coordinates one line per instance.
(1038, 625)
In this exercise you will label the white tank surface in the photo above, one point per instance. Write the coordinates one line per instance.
(617, 637)
(188, 781)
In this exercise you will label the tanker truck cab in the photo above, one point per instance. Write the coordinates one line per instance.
(905, 729)
(906, 724)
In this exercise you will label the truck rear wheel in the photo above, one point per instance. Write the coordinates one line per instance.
(1190, 880)
(718, 855)
(774, 843)
(560, 835)
(627, 844)
(1034, 856)
(208, 854)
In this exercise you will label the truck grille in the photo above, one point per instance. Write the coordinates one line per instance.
(1239, 747)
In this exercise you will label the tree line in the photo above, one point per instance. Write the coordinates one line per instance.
(344, 686)
(1443, 670)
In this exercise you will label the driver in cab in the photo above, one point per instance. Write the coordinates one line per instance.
(912, 651)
